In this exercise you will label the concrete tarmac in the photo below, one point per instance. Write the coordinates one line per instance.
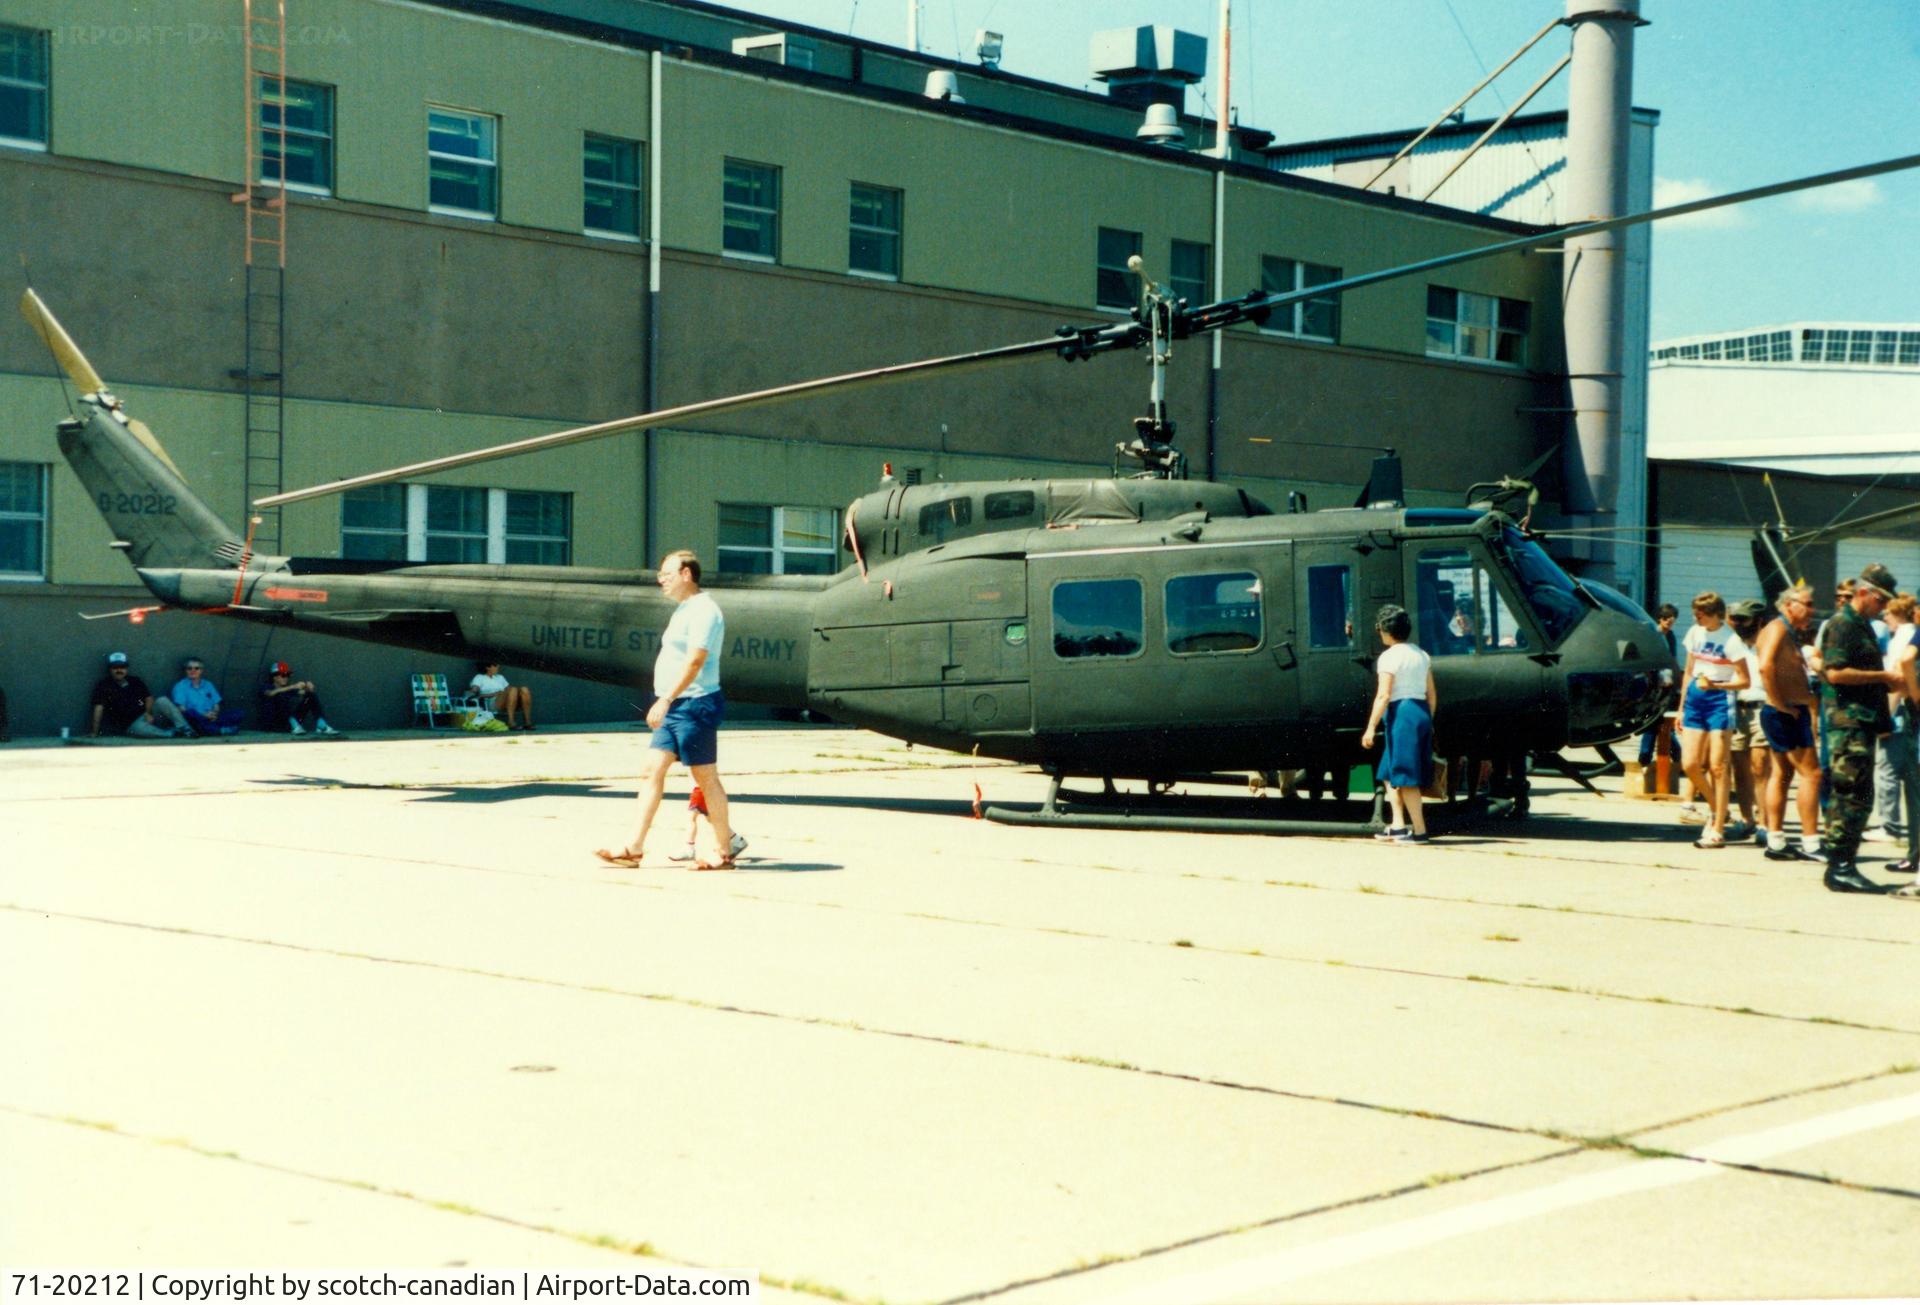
(372, 1003)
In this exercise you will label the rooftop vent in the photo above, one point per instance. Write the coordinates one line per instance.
(1162, 127)
(1149, 65)
(943, 85)
(776, 47)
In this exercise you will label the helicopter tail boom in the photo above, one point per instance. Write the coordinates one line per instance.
(155, 518)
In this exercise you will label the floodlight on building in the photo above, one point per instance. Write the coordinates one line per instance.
(1162, 127)
(944, 85)
(987, 47)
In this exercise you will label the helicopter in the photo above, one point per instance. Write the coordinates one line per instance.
(1141, 627)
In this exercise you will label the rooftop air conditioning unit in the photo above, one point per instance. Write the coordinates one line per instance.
(777, 47)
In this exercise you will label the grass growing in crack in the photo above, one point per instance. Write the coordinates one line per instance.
(1501, 937)
(1183, 942)
(1101, 1062)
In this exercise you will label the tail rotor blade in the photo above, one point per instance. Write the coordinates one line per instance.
(65, 351)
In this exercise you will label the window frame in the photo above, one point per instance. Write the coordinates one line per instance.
(1485, 583)
(776, 549)
(44, 518)
(897, 235)
(589, 184)
(414, 532)
(1093, 658)
(1348, 642)
(277, 134)
(44, 89)
(1494, 326)
(492, 163)
(1257, 593)
(773, 173)
(1296, 313)
(1176, 282)
(1103, 269)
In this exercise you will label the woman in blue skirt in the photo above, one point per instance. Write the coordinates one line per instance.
(1407, 703)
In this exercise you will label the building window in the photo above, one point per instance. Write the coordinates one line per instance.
(757, 539)
(1314, 319)
(296, 134)
(1189, 273)
(23, 87)
(1213, 613)
(1097, 618)
(610, 175)
(1461, 324)
(750, 196)
(451, 523)
(463, 163)
(23, 521)
(1116, 285)
(873, 232)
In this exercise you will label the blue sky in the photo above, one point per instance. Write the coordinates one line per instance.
(1749, 91)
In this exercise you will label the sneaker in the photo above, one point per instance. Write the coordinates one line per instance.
(1392, 833)
(1691, 814)
(1739, 832)
(682, 856)
(1413, 839)
(735, 846)
(294, 727)
(321, 727)
(1713, 838)
(1791, 854)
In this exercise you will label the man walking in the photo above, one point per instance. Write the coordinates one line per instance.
(686, 711)
(1787, 723)
(1851, 662)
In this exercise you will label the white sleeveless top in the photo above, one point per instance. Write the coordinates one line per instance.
(1408, 666)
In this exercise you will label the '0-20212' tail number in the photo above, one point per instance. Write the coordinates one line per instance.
(139, 505)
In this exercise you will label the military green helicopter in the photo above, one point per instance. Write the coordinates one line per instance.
(1143, 627)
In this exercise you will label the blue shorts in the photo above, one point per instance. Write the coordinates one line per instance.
(1711, 709)
(691, 730)
(1787, 731)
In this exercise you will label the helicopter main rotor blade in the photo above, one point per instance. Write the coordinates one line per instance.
(1228, 312)
(1069, 343)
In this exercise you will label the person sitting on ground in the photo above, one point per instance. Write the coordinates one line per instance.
(122, 704)
(696, 812)
(501, 698)
(290, 706)
(199, 702)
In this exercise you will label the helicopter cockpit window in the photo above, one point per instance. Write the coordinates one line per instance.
(1547, 588)
(1097, 618)
(936, 519)
(1329, 607)
(1462, 612)
(1213, 613)
(1009, 505)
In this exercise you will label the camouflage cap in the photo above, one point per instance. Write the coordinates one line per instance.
(1878, 577)
(1747, 609)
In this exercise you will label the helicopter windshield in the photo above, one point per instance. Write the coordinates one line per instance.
(1549, 591)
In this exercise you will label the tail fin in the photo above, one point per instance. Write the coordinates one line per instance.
(155, 517)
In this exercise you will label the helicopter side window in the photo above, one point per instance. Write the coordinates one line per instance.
(1462, 612)
(1213, 613)
(936, 519)
(1098, 618)
(1329, 607)
(1010, 505)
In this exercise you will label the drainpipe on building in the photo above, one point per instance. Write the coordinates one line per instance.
(1599, 107)
(1222, 151)
(651, 384)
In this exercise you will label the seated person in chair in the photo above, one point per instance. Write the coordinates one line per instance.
(504, 700)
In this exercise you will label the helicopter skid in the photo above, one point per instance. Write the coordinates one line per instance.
(1112, 809)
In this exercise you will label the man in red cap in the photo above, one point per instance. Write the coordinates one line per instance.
(290, 706)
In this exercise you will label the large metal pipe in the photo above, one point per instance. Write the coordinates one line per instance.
(1599, 105)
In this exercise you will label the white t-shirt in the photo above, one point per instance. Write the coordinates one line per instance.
(696, 623)
(1900, 639)
(1754, 692)
(1717, 654)
(487, 685)
(1408, 666)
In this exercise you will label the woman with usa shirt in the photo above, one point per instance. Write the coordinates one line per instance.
(1716, 670)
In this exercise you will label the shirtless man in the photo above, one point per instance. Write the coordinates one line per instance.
(1787, 722)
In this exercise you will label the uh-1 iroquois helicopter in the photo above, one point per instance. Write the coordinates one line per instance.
(1148, 627)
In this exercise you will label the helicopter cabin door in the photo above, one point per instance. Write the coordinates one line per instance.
(1339, 583)
(1189, 641)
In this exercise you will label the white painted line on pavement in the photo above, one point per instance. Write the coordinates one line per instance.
(1256, 1275)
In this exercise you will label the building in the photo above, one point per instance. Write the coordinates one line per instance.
(501, 219)
(1824, 415)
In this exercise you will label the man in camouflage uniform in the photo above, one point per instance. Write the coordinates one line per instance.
(1851, 663)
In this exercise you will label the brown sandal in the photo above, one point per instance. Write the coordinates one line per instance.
(623, 860)
(724, 863)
